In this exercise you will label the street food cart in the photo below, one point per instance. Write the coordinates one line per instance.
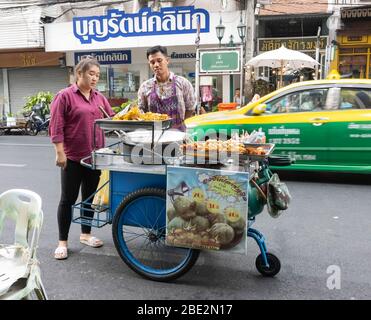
(141, 201)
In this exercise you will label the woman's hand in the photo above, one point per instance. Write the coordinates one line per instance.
(61, 159)
(60, 156)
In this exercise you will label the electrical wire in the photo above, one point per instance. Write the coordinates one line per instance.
(43, 4)
(88, 7)
(17, 4)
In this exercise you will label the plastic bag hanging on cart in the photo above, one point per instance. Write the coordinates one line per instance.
(278, 196)
(101, 197)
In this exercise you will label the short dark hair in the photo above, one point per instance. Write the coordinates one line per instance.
(156, 49)
(237, 89)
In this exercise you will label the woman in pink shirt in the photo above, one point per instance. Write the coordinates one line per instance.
(73, 112)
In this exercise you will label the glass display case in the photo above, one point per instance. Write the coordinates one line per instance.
(125, 84)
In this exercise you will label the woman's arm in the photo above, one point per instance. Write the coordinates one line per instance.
(56, 129)
(60, 156)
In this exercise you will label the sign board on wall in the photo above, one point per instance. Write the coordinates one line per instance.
(107, 57)
(172, 26)
(300, 44)
(30, 59)
(169, 20)
(220, 61)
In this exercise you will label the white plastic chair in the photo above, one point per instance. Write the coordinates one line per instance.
(19, 267)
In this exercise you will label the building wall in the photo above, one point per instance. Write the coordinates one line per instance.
(354, 43)
(23, 29)
(299, 7)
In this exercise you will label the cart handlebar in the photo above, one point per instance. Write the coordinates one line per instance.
(85, 164)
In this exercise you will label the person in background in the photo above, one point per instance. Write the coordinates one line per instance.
(307, 105)
(237, 96)
(166, 92)
(73, 112)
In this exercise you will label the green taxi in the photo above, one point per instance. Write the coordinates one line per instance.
(324, 125)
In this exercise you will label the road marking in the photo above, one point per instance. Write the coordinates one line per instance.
(12, 165)
(26, 144)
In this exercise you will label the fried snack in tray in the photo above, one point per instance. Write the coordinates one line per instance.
(136, 114)
(259, 151)
(209, 146)
(229, 146)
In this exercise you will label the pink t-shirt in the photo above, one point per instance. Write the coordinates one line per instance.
(72, 119)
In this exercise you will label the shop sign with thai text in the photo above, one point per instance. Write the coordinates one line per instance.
(107, 57)
(30, 59)
(300, 44)
(169, 20)
(185, 55)
(220, 61)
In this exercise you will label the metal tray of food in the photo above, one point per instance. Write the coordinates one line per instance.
(258, 151)
(130, 125)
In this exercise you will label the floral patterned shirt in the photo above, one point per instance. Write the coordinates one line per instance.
(184, 91)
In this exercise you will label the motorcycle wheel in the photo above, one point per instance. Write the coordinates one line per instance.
(31, 128)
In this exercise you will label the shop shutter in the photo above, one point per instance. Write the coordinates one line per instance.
(29, 81)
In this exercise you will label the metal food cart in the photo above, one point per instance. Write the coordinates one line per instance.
(137, 207)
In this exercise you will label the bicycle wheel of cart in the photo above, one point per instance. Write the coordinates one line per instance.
(139, 228)
(274, 265)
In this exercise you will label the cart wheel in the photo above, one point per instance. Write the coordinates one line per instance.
(139, 228)
(31, 128)
(274, 265)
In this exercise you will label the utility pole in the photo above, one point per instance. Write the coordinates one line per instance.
(317, 52)
(250, 46)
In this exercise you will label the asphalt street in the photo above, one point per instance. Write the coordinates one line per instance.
(325, 231)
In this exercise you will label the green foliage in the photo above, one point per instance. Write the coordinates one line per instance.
(40, 97)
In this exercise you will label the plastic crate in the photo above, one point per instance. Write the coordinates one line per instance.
(227, 106)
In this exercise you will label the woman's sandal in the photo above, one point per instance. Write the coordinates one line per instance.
(61, 253)
(92, 242)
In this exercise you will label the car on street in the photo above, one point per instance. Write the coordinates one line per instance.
(325, 125)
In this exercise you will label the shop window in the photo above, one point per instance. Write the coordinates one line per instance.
(360, 50)
(263, 73)
(124, 84)
(345, 51)
(354, 66)
(102, 85)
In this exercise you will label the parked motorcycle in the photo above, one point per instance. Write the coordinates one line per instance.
(37, 120)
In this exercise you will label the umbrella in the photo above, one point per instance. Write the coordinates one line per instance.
(283, 57)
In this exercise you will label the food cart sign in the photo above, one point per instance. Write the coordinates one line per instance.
(207, 209)
(220, 61)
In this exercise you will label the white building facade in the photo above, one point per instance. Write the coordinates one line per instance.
(25, 68)
(119, 36)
